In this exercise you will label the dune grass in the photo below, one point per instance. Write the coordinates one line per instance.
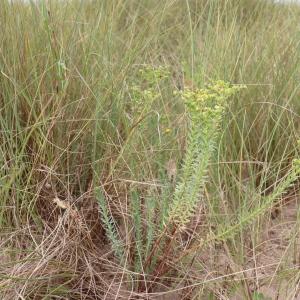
(97, 145)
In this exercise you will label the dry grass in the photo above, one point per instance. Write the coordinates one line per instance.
(71, 124)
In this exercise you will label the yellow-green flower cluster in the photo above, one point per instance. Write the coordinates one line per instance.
(296, 163)
(152, 75)
(146, 90)
(142, 96)
(209, 102)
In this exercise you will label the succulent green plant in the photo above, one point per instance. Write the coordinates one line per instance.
(109, 225)
(206, 108)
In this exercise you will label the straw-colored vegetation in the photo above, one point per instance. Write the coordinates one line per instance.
(148, 149)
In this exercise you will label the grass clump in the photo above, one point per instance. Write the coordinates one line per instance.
(128, 170)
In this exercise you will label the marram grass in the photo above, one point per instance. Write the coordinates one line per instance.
(88, 115)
